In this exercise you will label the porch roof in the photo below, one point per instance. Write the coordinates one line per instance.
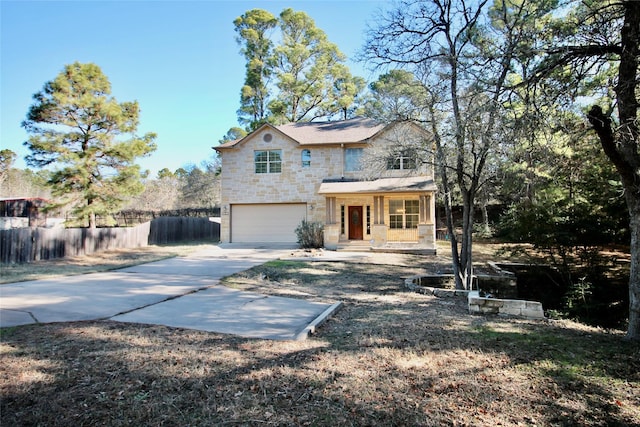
(416, 184)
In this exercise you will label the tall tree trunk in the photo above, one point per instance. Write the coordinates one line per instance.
(633, 330)
(628, 166)
(457, 266)
(622, 148)
(458, 270)
(466, 247)
(92, 215)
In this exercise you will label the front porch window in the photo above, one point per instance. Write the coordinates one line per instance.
(403, 214)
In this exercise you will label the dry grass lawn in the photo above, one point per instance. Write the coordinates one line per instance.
(103, 261)
(388, 357)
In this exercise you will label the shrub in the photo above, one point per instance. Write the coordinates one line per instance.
(310, 234)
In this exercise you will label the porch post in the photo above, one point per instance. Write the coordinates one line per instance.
(426, 226)
(425, 209)
(330, 217)
(378, 209)
(331, 227)
(378, 229)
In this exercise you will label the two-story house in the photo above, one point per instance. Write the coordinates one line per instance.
(364, 181)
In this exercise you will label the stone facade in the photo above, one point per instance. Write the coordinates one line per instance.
(300, 183)
(295, 184)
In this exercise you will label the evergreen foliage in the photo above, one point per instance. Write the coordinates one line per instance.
(253, 29)
(79, 130)
(301, 78)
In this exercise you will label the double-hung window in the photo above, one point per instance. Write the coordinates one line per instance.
(268, 161)
(403, 160)
(352, 159)
(403, 214)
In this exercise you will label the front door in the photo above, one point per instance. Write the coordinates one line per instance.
(355, 222)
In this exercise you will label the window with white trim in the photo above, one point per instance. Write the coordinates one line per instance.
(403, 214)
(268, 161)
(403, 160)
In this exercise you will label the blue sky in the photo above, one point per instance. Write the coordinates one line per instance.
(178, 59)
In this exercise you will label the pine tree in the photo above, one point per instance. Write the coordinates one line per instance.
(79, 130)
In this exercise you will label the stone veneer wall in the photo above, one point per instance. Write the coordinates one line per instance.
(295, 184)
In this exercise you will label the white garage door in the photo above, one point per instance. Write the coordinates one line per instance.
(266, 223)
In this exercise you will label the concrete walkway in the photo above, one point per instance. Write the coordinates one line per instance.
(179, 292)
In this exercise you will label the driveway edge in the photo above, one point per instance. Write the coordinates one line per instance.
(311, 327)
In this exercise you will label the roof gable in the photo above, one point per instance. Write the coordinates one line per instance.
(355, 130)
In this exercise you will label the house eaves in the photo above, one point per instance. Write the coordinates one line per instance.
(382, 185)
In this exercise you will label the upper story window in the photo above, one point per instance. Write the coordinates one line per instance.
(268, 161)
(404, 160)
(404, 213)
(352, 159)
(306, 158)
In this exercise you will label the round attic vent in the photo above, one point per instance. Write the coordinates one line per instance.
(267, 137)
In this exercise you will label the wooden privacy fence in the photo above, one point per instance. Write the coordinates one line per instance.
(171, 229)
(23, 245)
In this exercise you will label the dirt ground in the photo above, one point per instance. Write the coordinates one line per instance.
(388, 357)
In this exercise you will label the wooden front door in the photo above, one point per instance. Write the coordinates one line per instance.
(355, 222)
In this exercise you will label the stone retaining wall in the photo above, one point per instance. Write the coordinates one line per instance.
(481, 305)
(410, 283)
(510, 307)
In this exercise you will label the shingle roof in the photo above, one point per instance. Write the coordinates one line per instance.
(355, 130)
(358, 129)
(396, 185)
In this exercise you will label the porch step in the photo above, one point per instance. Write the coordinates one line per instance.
(357, 246)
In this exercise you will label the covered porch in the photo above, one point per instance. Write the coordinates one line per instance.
(385, 215)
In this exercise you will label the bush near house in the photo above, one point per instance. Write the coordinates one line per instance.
(310, 234)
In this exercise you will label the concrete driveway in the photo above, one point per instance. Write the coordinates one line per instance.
(179, 292)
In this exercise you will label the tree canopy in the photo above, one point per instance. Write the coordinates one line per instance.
(253, 29)
(503, 81)
(88, 139)
(302, 77)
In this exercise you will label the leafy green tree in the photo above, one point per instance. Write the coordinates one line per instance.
(308, 68)
(182, 171)
(233, 134)
(165, 173)
(253, 29)
(396, 95)
(301, 78)
(80, 131)
(578, 200)
(598, 45)
(345, 93)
